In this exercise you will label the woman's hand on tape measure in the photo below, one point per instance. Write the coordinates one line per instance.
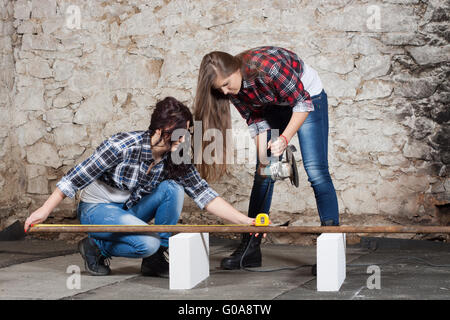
(257, 234)
(38, 216)
(41, 214)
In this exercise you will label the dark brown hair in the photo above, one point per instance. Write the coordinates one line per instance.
(170, 115)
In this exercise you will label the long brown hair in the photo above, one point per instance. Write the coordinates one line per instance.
(213, 108)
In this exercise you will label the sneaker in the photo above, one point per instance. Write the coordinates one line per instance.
(95, 263)
(157, 265)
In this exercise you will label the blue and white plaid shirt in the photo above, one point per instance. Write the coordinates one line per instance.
(122, 161)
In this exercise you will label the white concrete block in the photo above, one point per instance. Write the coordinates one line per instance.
(330, 261)
(188, 260)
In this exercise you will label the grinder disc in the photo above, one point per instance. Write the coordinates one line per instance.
(291, 160)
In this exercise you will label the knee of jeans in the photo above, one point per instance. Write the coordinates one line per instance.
(173, 189)
(147, 246)
(318, 176)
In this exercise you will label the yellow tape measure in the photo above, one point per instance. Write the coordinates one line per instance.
(262, 219)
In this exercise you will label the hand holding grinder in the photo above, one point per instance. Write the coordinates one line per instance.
(280, 170)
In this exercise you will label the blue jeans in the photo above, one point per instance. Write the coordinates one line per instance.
(164, 205)
(313, 138)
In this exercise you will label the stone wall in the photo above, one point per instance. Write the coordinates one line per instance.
(9, 180)
(87, 69)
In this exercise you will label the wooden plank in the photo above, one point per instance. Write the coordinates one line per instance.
(237, 229)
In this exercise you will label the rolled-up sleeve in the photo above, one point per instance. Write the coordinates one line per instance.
(67, 187)
(303, 106)
(258, 128)
(197, 188)
(105, 157)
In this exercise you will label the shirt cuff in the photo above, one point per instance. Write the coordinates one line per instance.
(303, 106)
(258, 127)
(205, 197)
(66, 187)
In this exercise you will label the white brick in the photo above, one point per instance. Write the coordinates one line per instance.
(189, 260)
(330, 261)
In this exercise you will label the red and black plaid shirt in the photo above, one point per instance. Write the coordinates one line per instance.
(277, 82)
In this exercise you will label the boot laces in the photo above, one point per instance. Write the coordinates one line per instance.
(101, 260)
(166, 255)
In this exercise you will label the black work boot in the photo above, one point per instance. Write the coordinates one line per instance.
(95, 263)
(157, 265)
(250, 245)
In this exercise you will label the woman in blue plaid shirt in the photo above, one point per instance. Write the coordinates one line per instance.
(131, 179)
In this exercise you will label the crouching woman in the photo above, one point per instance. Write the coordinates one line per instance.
(131, 179)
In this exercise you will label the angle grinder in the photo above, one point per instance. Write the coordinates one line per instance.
(280, 170)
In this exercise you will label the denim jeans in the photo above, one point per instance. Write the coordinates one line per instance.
(164, 205)
(313, 138)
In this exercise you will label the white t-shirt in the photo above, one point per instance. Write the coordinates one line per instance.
(311, 81)
(100, 192)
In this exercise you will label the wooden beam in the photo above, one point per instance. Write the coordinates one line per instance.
(236, 229)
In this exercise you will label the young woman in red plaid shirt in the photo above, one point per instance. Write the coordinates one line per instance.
(272, 88)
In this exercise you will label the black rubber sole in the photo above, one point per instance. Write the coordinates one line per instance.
(237, 266)
(157, 275)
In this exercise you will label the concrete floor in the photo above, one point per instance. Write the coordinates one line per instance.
(39, 269)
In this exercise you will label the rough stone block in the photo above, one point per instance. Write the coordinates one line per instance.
(374, 89)
(428, 55)
(63, 70)
(96, 109)
(22, 9)
(43, 8)
(69, 134)
(39, 68)
(373, 66)
(43, 153)
(30, 98)
(31, 132)
(38, 42)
